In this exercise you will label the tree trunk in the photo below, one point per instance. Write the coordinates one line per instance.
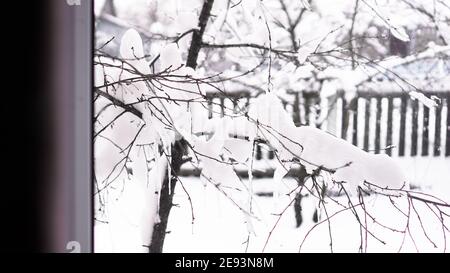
(166, 197)
(179, 148)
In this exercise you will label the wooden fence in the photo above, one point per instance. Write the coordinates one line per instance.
(392, 123)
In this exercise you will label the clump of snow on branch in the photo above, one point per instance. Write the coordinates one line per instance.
(315, 148)
(163, 121)
(423, 99)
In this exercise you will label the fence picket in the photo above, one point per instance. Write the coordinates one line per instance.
(345, 117)
(389, 110)
(296, 110)
(378, 126)
(401, 144)
(415, 125)
(355, 123)
(437, 131)
(367, 124)
(425, 131)
(447, 141)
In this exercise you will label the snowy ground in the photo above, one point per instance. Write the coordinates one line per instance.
(219, 226)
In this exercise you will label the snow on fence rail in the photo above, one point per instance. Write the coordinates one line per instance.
(388, 122)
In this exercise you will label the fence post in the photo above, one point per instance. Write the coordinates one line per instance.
(296, 110)
(414, 135)
(378, 126)
(306, 104)
(355, 122)
(367, 125)
(447, 141)
(437, 130)
(345, 118)
(222, 107)
(210, 108)
(425, 130)
(390, 109)
(317, 110)
(247, 104)
(401, 144)
(258, 152)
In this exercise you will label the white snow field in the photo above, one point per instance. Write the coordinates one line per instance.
(219, 226)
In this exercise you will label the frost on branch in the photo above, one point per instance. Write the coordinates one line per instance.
(140, 144)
